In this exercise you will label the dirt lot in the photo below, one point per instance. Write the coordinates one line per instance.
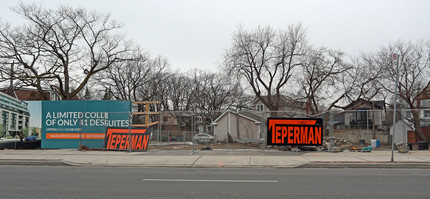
(182, 146)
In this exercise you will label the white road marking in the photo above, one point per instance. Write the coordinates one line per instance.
(207, 180)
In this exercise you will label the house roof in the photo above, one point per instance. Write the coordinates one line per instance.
(283, 101)
(250, 115)
(408, 124)
(358, 104)
(425, 94)
(28, 94)
(245, 114)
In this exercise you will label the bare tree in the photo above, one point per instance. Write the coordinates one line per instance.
(107, 95)
(329, 81)
(215, 92)
(160, 89)
(124, 78)
(362, 81)
(194, 91)
(151, 88)
(87, 95)
(266, 59)
(177, 87)
(61, 49)
(322, 70)
(414, 73)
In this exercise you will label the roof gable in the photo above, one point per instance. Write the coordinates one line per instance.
(247, 115)
(283, 102)
(365, 104)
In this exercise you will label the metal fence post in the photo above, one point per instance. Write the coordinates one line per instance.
(160, 119)
(80, 133)
(192, 133)
(367, 125)
(262, 134)
(130, 123)
(228, 129)
(331, 131)
(158, 136)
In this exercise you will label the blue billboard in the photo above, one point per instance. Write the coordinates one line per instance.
(68, 124)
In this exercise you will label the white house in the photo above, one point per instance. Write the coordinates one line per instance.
(284, 105)
(402, 128)
(244, 126)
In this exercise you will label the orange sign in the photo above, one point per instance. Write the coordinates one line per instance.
(123, 139)
(294, 131)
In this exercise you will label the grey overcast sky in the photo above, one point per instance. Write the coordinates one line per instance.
(195, 33)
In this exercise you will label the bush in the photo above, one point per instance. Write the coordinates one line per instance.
(34, 132)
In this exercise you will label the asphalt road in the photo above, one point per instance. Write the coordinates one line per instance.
(91, 182)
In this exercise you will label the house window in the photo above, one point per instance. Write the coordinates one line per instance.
(260, 107)
(13, 121)
(361, 115)
(27, 119)
(5, 117)
(408, 114)
(427, 113)
(425, 103)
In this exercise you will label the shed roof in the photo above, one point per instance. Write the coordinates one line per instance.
(245, 114)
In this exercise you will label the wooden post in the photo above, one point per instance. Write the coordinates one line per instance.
(146, 113)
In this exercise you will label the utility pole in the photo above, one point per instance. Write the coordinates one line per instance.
(395, 58)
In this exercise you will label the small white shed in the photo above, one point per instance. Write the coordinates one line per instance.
(402, 128)
(241, 125)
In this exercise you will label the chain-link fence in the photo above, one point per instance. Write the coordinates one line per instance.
(375, 127)
(173, 130)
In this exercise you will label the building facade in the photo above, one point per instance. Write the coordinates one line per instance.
(289, 107)
(242, 126)
(15, 116)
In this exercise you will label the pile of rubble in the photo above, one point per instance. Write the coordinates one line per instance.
(402, 147)
(339, 144)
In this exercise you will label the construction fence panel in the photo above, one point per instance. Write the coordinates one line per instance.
(176, 129)
(375, 127)
(359, 128)
(235, 129)
(94, 129)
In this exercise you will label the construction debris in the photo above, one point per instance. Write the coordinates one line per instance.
(83, 148)
(402, 147)
(361, 149)
(339, 144)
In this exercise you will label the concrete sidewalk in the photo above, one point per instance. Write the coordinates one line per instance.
(216, 159)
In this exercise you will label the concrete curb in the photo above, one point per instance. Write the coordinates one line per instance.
(39, 162)
(386, 165)
(214, 159)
